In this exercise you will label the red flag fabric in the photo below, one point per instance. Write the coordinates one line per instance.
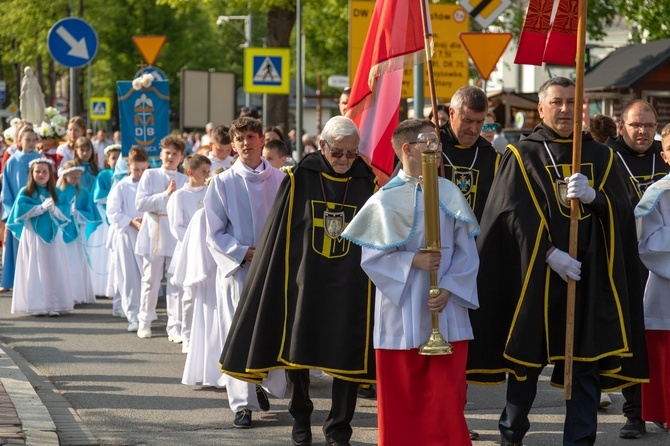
(394, 41)
(534, 32)
(561, 46)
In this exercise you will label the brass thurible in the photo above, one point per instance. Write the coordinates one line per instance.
(435, 344)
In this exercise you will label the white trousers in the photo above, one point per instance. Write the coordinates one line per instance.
(128, 276)
(153, 268)
(242, 395)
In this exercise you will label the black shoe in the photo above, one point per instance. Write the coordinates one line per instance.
(473, 435)
(301, 435)
(338, 443)
(263, 401)
(367, 392)
(242, 419)
(633, 429)
(505, 442)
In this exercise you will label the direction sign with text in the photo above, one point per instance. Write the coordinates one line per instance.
(72, 42)
(450, 61)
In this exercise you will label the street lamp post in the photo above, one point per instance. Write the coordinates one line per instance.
(246, 33)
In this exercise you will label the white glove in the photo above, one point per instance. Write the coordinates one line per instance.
(564, 265)
(48, 204)
(578, 187)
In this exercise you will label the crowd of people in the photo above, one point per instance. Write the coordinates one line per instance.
(272, 271)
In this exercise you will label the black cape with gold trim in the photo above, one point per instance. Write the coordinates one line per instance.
(474, 182)
(306, 301)
(521, 319)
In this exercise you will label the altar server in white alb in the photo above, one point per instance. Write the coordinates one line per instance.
(195, 270)
(425, 392)
(42, 284)
(125, 223)
(181, 207)
(653, 229)
(155, 242)
(237, 204)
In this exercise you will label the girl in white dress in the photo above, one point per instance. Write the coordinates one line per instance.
(78, 207)
(42, 285)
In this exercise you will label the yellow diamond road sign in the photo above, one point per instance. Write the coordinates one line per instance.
(266, 70)
(101, 108)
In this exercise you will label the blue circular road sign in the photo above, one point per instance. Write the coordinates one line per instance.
(72, 42)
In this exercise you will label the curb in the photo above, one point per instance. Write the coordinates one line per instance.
(36, 423)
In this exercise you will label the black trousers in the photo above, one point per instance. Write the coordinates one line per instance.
(632, 407)
(581, 421)
(344, 393)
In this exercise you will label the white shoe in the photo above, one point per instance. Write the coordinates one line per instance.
(118, 313)
(144, 331)
(605, 400)
(185, 346)
(175, 336)
(133, 326)
(54, 313)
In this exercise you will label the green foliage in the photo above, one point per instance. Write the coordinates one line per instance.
(195, 42)
(650, 17)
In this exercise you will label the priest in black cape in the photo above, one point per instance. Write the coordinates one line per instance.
(520, 325)
(640, 162)
(470, 161)
(307, 304)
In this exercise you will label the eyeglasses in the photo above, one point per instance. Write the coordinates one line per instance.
(350, 154)
(490, 127)
(639, 126)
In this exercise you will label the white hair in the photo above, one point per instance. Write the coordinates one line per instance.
(337, 128)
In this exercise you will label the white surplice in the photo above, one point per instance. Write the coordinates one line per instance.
(195, 270)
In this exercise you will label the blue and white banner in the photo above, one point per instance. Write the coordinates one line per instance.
(144, 115)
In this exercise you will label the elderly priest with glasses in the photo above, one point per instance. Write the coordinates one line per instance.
(307, 303)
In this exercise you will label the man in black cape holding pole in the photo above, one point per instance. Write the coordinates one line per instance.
(307, 304)
(520, 326)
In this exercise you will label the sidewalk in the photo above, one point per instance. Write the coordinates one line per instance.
(24, 419)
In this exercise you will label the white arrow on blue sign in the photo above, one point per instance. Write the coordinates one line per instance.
(72, 42)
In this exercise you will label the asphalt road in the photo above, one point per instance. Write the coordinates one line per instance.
(127, 390)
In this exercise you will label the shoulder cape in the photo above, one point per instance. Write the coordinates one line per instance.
(652, 196)
(395, 206)
(84, 206)
(46, 225)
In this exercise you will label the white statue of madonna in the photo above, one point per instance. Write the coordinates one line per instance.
(32, 98)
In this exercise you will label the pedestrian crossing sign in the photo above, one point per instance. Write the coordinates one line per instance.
(100, 108)
(266, 70)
